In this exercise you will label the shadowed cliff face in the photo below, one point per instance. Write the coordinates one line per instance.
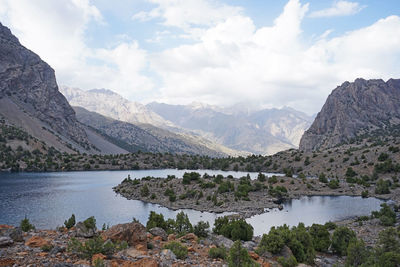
(30, 83)
(354, 109)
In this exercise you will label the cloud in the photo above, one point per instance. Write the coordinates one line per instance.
(338, 8)
(234, 61)
(56, 30)
(185, 14)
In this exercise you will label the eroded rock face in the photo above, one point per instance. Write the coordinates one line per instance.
(133, 233)
(30, 83)
(354, 109)
(157, 231)
(83, 231)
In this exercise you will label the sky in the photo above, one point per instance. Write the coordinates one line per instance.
(263, 53)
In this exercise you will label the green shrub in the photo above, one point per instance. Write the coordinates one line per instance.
(94, 246)
(272, 242)
(25, 225)
(364, 194)
(178, 249)
(333, 184)
(217, 253)
(288, 262)
(201, 229)
(90, 223)
(144, 191)
(70, 222)
(357, 254)
(156, 220)
(386, 215)
(239, 257)
(341, 239)
(330, 225)
(235, 229)
(321, 237)
(382, 187)
(350, 173)
(188, 177)
(182, 224)
(322, 178)
(46, 248)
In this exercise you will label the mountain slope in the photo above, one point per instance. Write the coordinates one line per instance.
(144, 137)
(261, 132)
(110, 104)
(352, 110)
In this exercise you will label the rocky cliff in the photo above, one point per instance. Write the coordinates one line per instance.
(30, 83)
(353, 110)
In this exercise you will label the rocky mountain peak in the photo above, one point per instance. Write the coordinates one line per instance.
(30, 83)
(353, 109)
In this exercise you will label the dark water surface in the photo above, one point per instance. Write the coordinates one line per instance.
(47, 199)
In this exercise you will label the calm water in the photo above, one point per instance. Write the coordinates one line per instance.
(47, 199)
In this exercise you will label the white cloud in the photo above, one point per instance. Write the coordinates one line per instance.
(56, 30)
(234, 61)
(187, 13)
(338, 8)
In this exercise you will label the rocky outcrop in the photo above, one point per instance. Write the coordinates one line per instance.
(133, 233)
(354, 109)
(31, 84)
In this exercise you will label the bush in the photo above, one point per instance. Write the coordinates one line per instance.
(201, 229)
(322, 178)
(144, 191)
(239, 257)
(364, 194)
(25, 225)
(235, 229)
(289, 262)
(350, 173)
(90, 223)
(321, 237)
(357, 254)
(188, 177)
(341, 239)
(156, 220)
(182, 224)
(333, 184)
(272, 242)
(178, 249)
(382, 187)
(94, 246)
(217, 253)
(386, 215)
(330, 225)
(70, 222)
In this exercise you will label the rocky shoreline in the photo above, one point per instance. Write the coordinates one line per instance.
(210, 194)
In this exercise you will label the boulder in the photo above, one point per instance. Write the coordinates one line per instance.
(167, 257)
(190, 237)
(157, 231)
(6, 241)
(83, 231)
(286, 252)
(133, 233)
(145, 262)
(37, 242)
(249, 245)
(16, 234)
(220, 240)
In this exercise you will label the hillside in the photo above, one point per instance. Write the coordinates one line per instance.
(145, 137)
(263, 132)
(354, 110)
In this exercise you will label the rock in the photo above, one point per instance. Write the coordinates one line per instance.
(145, 262)
(220, 240)
(133, 252)
(350, 109)
(6, 241)
(56, 250)
(83, 231)
(158, 238)
(133, 233)
(254, 255)
(167, 257)
(37, 242)
(286, 252)
(157, 231)
(16, 235)
(29, 82)
(190, 237)
(171, 237)
(249, 245)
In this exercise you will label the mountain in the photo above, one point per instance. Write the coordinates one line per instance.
(353, 110)
(110, 104)
(30, 100)
(264, 131)
(146, 137)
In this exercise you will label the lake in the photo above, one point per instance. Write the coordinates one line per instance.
(47, 199)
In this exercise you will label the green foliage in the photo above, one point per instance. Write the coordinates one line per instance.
(322, 178)
(70, 222)
(90, 223)
(178, 249)
(235, 229)
(226, 187)
(289, 262)
(171, 194)
(94, 246)
(261, 177)
(182, 224)
(387, 167)
(330, 225)
(272, 242)
(341, 239)
(201, 229)
(320, 237)
(386, 215)
(156, 220)
(383, 157)
(46, 248)
(357, 254)
(364, 194)
(333, 184)
(350, 173)
(239, 257)
(217, 253)
(188, 177)
(382, 187)
(25, 225)
(144, 191)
